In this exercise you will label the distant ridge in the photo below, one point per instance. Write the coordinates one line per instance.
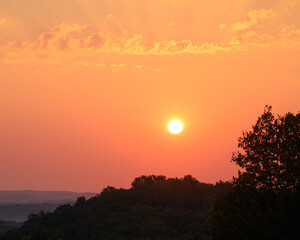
(37, 197)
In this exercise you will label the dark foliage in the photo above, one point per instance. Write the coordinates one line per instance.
(264, 201)
(154, 208)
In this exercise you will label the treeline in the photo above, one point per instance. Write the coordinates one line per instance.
(153, 208)
(20, 212)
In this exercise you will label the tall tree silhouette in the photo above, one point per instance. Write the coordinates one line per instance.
(271, 153)
(263, 202)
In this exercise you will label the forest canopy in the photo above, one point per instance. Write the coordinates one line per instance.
(155, 207)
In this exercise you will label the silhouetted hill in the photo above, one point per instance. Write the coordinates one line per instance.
(20, 212)
(17, 205)
(28, 196)
(154, 208)
(7, 225)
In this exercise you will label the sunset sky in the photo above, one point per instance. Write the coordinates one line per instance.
(87, 87)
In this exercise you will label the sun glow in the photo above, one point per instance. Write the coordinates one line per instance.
(175, 126)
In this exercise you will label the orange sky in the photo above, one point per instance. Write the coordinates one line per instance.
(87, 87)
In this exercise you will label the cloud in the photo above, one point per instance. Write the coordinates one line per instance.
(265, 27)
(83, 45)
(86, 63)
(71, 40)
(161, 70)
(59, 38)
(138, 66)
(256, 17)
(100, 65)
(96, 40)
(142, 67)
(117, 67)
(91, 64)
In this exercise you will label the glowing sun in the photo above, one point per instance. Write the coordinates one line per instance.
(175, 126)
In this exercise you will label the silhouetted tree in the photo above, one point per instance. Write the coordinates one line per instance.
(263, 202)
(271, 152)
(80, 201)
(147, 180)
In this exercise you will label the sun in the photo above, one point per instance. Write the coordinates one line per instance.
(175, 126)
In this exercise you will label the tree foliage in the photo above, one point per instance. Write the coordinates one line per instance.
(271, 152)
(154, 208)
(263, 202)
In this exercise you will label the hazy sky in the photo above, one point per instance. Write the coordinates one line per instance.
(87, 87)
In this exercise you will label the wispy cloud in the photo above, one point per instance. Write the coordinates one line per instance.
(117, 67)
(72, 40)
(255, 17)
(261, 27)
(265, 27)
(161, 70)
